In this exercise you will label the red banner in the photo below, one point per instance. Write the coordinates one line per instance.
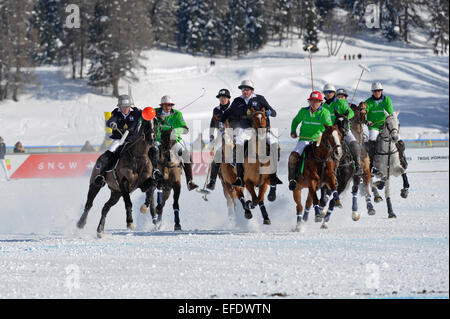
(80, 164)
(56, 165)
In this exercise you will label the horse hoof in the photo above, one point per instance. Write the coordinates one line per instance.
(392, 215)
(379, 185)
(144, 209)
(100, 234)
(81, 224)
(248, 214)
(371, 212)
(323, 212)
(378, 199)
(404, 193)
(267, 222)
(324, 226)
(356, 216)
(318, 219)
(271, 197)
(339, 203)
(177, 227)
(130, 226)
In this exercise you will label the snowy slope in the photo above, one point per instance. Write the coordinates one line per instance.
(62, 111)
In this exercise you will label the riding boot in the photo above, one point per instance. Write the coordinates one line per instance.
(104, 163)
(293, 169)
(212, 178)
(371, 147)
(239, 182)
(401, 152)
(355, 149)
(188, 171)
(153, 154)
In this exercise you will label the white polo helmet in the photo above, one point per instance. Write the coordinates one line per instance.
(329, 87)
(166, 99)
(246, 83)
(377, 86)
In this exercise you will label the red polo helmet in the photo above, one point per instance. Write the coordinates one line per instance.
(148, 113)
(315, 95)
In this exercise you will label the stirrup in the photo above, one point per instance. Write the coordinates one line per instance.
(211, 185)
(292, 184)
(238, 182)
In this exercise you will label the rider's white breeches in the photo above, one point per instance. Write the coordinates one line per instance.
(349, 137)
(301, 146)
(243, 135)
(114, 146)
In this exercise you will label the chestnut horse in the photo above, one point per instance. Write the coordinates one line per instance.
(254, 168)
(319, 165)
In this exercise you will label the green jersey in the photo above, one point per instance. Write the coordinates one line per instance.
(375, 111)
(341, 106)
(173, 121)
(312, 124)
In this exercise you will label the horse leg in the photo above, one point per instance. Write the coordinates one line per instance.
(231, 206)
(367, 183)
(324, 197)
(297, 194)
(92, 193)
(247, 211)
(261, 193)
(355, 187)
(113, 199)
(308, 205)
(125, 190)
(388, 199)
(251, 189)
(405, 190)
(176, 207)
(165, 193)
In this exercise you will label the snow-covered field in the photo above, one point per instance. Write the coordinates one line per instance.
(43, 255)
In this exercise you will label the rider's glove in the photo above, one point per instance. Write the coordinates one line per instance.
(113, 126)
(268, 112)
(369, 123)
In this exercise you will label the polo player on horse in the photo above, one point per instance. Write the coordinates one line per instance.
(239, 116)
(168, 119)
(336, 103)
(126, 117)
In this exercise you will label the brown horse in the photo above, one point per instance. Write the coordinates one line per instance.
(253, 176)
(169, 164)
(132, 171)
(228, 175)
(357, 130)
(319, 166)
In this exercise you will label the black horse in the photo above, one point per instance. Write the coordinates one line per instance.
(169, 164)
(345, 170)
(133, 170)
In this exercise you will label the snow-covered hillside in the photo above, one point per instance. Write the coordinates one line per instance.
(62, 111)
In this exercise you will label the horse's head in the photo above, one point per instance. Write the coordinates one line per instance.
(342, 122)
(167, 140)
(360, 112)
(332, 138)
(148, 130)
(259, 118)
(390, 128)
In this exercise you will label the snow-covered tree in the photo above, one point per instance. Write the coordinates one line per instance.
(310, 36)
(439, 33)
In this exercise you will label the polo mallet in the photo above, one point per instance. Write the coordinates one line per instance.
(309, 47)
(204, 191)
(364, 68)
(198, 98)
(129, 94)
